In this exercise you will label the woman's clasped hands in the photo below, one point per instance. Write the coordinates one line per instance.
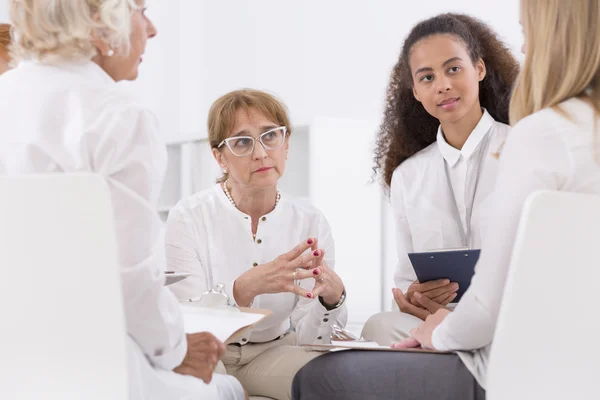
(284, 273)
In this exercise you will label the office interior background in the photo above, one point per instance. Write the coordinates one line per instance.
(329, 61)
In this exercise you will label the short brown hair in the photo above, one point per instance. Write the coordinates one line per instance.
(221, 117)
(4, 39)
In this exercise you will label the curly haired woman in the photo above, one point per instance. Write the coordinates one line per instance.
(446, 114)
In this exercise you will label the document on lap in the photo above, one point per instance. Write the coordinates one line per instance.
(457, 265)
(364, 345)
(224, 323)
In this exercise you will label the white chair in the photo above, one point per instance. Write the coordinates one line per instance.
(546, 342)
(62, 322)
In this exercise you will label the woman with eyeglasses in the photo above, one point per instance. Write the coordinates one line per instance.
(268, 250)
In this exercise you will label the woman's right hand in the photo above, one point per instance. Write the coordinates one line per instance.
(442, 291)
(279, 275)
(203, 352)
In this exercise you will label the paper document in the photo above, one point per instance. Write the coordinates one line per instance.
(222, 323)
(338, 345)
(356, 344)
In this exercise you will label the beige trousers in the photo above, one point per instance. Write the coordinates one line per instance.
(388, 327)
(267, 369)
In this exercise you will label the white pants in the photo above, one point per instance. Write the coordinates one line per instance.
(388, 327)
(147, 383)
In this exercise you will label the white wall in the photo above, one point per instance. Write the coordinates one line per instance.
(323, 58)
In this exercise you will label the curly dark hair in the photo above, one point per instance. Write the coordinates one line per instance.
(407, 127)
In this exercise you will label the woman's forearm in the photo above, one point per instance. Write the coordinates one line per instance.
(245, 289)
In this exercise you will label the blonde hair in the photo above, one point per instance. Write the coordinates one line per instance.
(52, 31)
(562, 56)
(221, 117)
(4, 39)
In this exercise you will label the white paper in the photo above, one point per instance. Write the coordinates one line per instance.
(222, 323)
(358, 344)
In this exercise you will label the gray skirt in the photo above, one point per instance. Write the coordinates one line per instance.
(378, 375)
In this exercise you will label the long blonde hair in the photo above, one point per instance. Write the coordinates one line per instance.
(4, 39)
(562, 56)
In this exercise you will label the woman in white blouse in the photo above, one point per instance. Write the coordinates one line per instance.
(267, 249)
(553, 145)
(446, 114)
(62, 112)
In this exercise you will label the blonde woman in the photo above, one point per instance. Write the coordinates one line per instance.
(553, 145)
(269, 250)
(62, 111)
(4, 45)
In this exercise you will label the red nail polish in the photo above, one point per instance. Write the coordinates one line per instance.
(309, 241)
(316, 253)
(309, 295)
(315, 272)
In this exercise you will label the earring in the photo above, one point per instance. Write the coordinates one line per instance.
(225, 171)
(110, 53)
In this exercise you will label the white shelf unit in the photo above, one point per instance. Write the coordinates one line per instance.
(329, 165)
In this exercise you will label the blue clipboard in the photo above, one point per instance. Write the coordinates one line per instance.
(456, 265)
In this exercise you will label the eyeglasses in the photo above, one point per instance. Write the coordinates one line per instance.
(243, 145)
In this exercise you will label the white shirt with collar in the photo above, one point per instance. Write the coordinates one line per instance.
(210, 238)
(74, 118)
(420, 197)
(459, 161)
(545, 151)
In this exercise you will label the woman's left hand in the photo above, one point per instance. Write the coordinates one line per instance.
(328, 284)
(422, 334)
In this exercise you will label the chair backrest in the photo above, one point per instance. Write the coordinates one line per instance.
(546, 340)
(62, 329)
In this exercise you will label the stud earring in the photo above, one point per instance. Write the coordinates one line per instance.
(225, 171)
(110, 53)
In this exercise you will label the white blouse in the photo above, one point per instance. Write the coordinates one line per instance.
(544, 151)
(74, 118)
(421, 199)
(209, 237)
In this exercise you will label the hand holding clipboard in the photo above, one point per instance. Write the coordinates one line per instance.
(456, 265)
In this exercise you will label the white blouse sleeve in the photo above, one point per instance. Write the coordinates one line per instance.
(126, 149)
(405, 274)
(533, 159)
(181, 242)
(310, 319)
